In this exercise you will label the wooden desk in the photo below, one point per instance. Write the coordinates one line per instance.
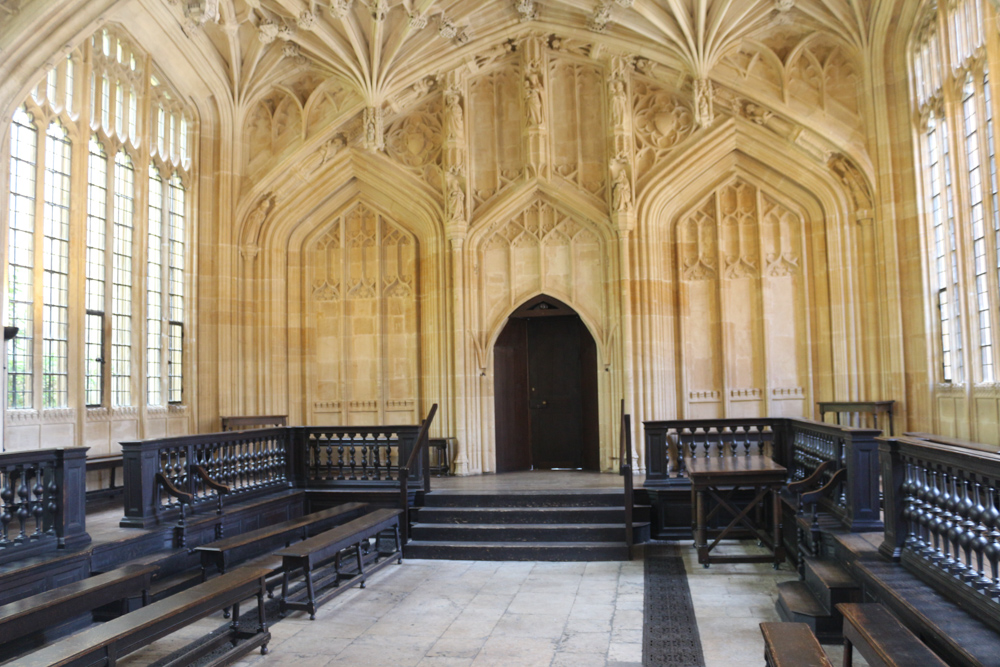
(719, 478)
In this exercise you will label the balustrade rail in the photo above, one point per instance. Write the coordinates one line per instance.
(942, 519)
(370, 454)
(259, 461)
(42, 500)
(801, 445)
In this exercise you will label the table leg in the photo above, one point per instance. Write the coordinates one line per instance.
(848, 653)
(777, 545)
(701, 541)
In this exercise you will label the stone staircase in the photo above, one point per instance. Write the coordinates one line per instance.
(813, 599)
(527, 525)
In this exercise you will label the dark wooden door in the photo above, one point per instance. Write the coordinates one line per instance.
(545, 384)
(510, 386)
(555, 392)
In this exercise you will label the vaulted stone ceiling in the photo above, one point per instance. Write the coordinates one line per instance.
(381, 46)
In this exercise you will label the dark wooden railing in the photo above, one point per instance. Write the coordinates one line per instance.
(259, 461)
(243, 422)
(942, 519)
(419, 459)
(42, 501)
(625, 467)
(801, 445)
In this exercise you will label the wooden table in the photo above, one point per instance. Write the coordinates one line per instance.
(719, 479)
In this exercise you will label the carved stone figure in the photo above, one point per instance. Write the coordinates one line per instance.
(621, 191)
(374, 133)
(455, 115)
(456, 195)
(601, 17)
(703, 95)
(533, 95)
(619, 101)
(260, 212)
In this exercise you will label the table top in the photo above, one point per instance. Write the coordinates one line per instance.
(733, 465)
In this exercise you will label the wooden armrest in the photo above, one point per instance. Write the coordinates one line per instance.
(182, 496)
(218, 487)
(813, 497)
(803, 485)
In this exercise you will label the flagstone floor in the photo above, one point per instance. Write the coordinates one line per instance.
(427, 613)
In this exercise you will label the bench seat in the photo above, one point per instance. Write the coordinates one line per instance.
(56, 606)
(945, 627)
(111, 641)
(222, 554)
(319, 551)
(882, 639)
(792, 645)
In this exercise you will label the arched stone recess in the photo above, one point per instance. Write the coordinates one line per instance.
(341, 295)
(537, 244)
(736, 263)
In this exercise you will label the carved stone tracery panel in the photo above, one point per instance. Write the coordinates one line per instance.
(497, 154)
(743, 328)
(362, 293)
(661, 121)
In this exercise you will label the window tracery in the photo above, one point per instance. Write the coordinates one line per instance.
(118, 136)
(949, 69)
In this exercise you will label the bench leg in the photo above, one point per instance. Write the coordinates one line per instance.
(848, 653)
(361, 565)
(399, 548)
(261, 620)
(235, 625)
(310, 591)
(284, 591)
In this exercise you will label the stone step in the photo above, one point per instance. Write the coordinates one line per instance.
(507, 551)
(500, 532)
(586, 498)
(519, 515)
(796, 604)
(830, 583)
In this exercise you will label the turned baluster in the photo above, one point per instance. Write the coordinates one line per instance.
(947, 522)
(22, 505)
(38, 506)
(909, 513)
(340, 457)
(364, 460)
(377, 462)
(7, 496)
(352, 453)
(924, 517)
(991, 519)
(968, 534)
(980, 542)
(51, 506)
(936, 521)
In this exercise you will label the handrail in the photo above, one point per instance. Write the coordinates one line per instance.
(625, 466)
(404, 474)
(184, 499)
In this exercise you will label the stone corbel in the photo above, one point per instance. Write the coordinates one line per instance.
(249, 251)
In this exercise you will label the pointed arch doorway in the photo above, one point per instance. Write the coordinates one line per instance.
(545, 389)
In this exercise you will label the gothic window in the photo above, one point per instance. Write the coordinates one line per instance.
(951, 84)
(129, 347)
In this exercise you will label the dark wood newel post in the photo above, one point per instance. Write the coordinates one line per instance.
(71, 506)
(296, 456)
(139, 468)
(892, 487)
(863, 473)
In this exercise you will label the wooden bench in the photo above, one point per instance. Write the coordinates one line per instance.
(222, 554)
(319, 551)
(111, 641)
(111, 463)
(882, 639)
(54, 607)
(792, 645)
